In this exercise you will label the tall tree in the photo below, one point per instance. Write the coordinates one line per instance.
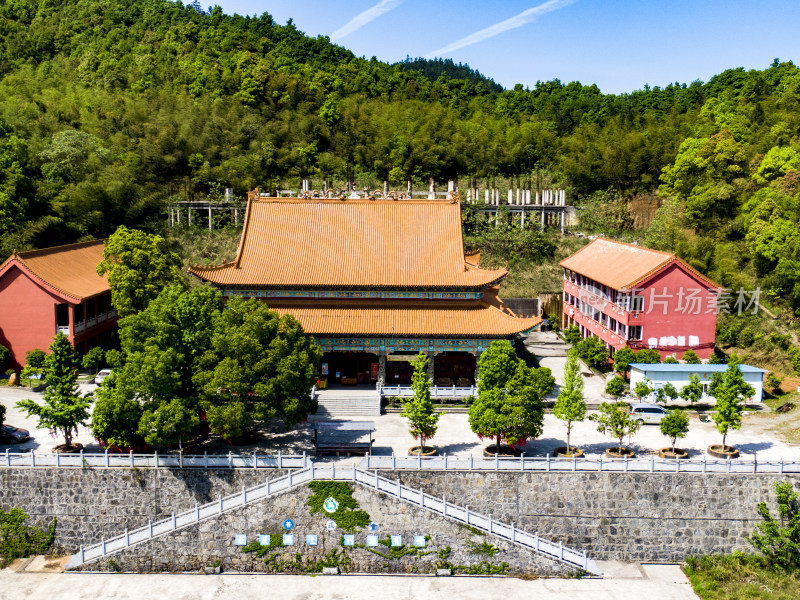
(570, 406)
(418, 410)
(139, 266)
(261, 359)
(64, 408)
(730, 390)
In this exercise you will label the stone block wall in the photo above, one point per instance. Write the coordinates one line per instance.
(656, 517)
(211, 542)
(627, 516)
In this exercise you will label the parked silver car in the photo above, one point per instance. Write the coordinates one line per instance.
(647, 413)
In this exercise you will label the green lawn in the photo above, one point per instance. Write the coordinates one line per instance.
(739, 577)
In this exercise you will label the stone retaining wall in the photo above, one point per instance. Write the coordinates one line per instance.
(211, 542)
(649, 517)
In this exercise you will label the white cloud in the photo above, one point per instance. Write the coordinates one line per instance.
(365, 17)
(523, 18)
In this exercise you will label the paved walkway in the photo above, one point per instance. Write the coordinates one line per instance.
(655, 582)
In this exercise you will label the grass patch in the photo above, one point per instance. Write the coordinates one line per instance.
(740, 577)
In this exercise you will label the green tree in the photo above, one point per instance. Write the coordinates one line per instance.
(642, 389)
(5, 356)
(665, 393)
(622, 360)
(116, 416)
(593, 351)
(730, 390)
(570, 406)
(648, 356)
(572, 335)
(508, 407)
(422, 420)
(779, 538)
(615, 420)
(616, 386)
(692, 391)
(773, 382)
(229, 421)
(2, 413)
(670, 360)
(690, 357)
(93, 359)
(64, 408)
(261, 359)
(674, 425)
(17, 540)
(139, 266)
(160, 349)
(168, 423)
(36, 358)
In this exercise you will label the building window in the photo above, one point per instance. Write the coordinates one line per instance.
(638, 303)
(635, 332)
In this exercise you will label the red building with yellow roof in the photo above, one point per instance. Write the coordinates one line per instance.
(44, 292)
(633, 296)
(375, 281)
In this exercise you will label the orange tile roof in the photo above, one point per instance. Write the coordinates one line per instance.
(297, 243)
(396, 318)
(71, 270)
(622, 266)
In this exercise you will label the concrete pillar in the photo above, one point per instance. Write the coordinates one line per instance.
(385, 187)
(561, 219)
(522, 220)
(486, 196)
(235, 217)
(477, 356)
(431, 365)
(189, 214)
(408, 187)
(542, 215)
(382, 367)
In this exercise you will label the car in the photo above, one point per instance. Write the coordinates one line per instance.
(13, 435)
(647, 413)
(101, 375)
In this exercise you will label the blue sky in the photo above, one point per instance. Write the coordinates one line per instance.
(620, 45)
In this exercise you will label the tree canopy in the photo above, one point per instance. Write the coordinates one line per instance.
(508, 407)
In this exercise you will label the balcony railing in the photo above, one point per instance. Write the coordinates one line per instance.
(62, 329)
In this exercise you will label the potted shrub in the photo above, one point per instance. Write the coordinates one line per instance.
(674, 425)
(616, 421)
(422, 420)
(570, 406)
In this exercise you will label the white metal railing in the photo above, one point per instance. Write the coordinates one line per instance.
(437, 391)
(62, 329)
(79, 326)
(330, 472)
(594, 464)
(155, 461)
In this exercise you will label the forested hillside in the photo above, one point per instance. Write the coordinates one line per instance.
(109, 109)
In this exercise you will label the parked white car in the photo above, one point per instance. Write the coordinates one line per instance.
(101, 375)
(648, 414)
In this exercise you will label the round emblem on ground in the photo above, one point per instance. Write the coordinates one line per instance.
(330, 525)
(288, 524)
(330, 505)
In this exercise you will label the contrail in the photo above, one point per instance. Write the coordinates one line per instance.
(365, 17)
(523, 18)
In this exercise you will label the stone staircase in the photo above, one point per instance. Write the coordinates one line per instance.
(341, 403)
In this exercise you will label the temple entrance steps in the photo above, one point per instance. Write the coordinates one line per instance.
(348, 402)
(330, 472)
